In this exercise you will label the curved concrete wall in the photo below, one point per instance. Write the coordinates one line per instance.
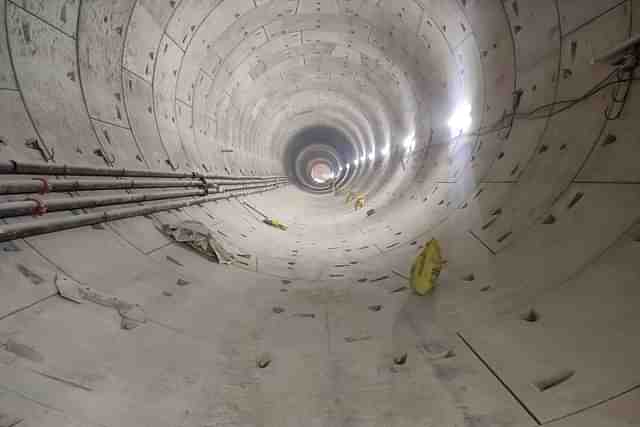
(535, 317)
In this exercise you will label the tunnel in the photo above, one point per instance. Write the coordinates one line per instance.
(212, 212)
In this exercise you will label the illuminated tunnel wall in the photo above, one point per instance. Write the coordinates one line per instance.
(484, 124)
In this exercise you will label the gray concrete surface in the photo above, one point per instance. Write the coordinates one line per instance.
(535, 318)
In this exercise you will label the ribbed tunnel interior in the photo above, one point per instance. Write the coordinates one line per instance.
(504, 129)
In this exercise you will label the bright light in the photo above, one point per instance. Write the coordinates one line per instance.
(348, 166)
(356, 162)
(386, 150)
(363, 158)
(410, 143)
(372, 156)
(460, 120)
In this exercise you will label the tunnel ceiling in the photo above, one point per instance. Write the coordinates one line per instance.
(487, 125)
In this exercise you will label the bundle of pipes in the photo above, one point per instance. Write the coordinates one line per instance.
(195, 189)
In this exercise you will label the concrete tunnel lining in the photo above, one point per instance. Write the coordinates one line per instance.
(536, 205)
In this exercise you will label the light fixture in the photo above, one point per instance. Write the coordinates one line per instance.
(460, 120)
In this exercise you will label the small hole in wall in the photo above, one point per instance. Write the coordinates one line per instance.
(531, 316)
(469, 278)
(501, 155)
(609, 139)
(550, 219)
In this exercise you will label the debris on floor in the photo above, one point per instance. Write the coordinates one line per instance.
(266, 219)
(360, 203)
(426, 268)
(198, 237)
(132, 315)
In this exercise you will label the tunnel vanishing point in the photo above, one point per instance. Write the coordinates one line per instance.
(179, 245)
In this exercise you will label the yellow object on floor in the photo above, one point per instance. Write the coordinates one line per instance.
(361, 201)
(426, 268)
(275, 223)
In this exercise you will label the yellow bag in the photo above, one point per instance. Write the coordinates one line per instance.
(426, 268)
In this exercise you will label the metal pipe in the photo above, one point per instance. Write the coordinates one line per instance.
(40, 185)
(44, 226)
(65, 185)
(40, 206)
(26, 168)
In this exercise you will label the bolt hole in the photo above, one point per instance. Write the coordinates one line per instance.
(375, 308)
(504, 237)
(550, 219)
(575, 200)
(469, 278)
(610, 139)
(264, 361)
(401, 360)
(554, 380)
(531, 316)
(485, 288)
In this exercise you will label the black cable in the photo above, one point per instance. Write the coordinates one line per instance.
(570, 103)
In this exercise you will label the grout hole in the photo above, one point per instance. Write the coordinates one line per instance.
(485, 288)
(550, 219)
(375, 308)
(469, 278)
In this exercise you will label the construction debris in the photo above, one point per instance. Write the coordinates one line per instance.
(198, 237)
(267, 220)
(132, 315)
(426, 268)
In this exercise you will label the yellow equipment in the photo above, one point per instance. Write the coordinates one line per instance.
(426, 268)
(275, 223)
(350, 196)
(361, 201)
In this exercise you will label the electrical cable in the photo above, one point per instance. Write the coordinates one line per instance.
(570, 103)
